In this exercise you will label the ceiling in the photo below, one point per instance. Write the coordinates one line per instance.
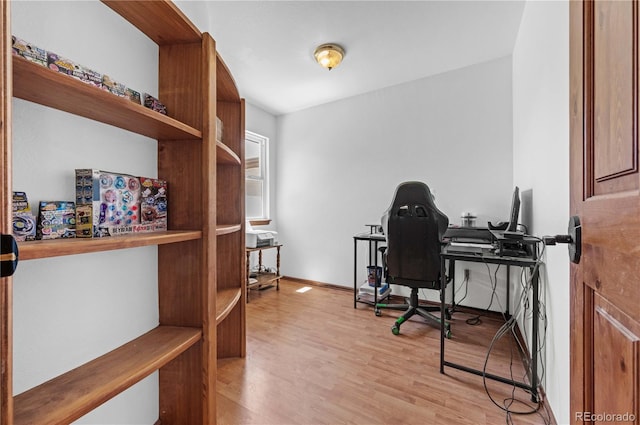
(268, 45)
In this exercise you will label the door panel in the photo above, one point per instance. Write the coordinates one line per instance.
(612, 99)
(616, 347)
(605, 183)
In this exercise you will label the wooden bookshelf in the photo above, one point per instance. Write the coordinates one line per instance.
(201, 281)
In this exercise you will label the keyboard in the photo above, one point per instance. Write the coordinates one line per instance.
(468, 234)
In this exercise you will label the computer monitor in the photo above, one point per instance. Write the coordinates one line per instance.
(515, 210)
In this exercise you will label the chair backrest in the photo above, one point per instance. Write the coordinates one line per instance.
(414, 228)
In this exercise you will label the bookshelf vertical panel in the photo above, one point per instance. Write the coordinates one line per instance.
(180, 284)
(179, 163)
(229, 205)
(182, 82)
(231, 333)
(6, 283)
(187, 273)
(181, 391)
(230, 209)
(231, 275)
(210, 265)
(230, 112)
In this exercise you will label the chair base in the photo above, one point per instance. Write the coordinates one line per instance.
(415, 308)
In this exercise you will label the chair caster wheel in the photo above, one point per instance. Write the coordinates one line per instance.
(395, 329)
(447, 334)
(377, 312)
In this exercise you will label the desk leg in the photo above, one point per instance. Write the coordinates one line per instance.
(452, 276)
(534, 337)
(355, 272)
(375, 273)
(247, 276)
(278, 268)
(443, 289)
(507, 315)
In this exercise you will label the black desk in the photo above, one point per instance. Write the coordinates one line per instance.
(489, 257)
(374, 240)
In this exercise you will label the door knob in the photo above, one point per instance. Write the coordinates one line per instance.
(573, 238)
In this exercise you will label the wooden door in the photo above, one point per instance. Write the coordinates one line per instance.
(605, 194)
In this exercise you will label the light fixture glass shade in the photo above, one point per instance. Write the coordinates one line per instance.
(329, 55)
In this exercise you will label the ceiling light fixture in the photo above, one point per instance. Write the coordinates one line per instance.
(329, 55)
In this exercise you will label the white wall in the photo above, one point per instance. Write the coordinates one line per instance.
(541, 163)
(69, 310)
(339, 164)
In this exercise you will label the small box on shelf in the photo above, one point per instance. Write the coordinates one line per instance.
(23, 220)
(114, 87)
(114, 199)
(153, 201)
(56, 219)
(154, 104)
(84, 221)
(66, 66)
(133, 95)
(28, 51)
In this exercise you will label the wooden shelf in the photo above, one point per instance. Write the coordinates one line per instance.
(225, 229)
(160, 20)
(61, 247)
(264, 279)
(41, 85)
(225, 155)
(226, 300)
(77, 392)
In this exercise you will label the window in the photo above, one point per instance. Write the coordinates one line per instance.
(256, 176)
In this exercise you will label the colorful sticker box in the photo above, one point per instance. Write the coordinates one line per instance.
(154, 104)
(113, 87)
(114, 199)
(28, 51)
(84, 221)
(23, 220)
(56, 219)
(153, 203)
(68, 67)
(133, 95)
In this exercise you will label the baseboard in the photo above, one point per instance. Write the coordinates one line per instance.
(400, 299)
(316, 283)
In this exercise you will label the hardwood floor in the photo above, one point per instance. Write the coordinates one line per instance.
(314, 359)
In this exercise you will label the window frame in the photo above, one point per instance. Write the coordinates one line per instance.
(263, 142)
